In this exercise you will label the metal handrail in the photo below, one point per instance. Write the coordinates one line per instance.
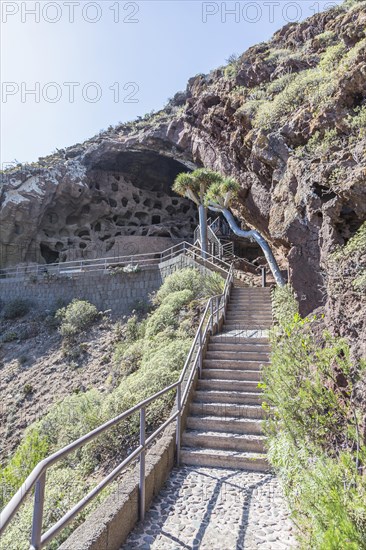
(37, 478)
(212, 227)
(104, 264)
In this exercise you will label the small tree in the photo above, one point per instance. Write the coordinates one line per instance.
(194, 185)
(218, 198)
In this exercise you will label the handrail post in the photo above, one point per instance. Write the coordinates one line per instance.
(218, 312)
(142, 465)
(200, 351)
(179, 421)
(212, 315)
(264, 277)
(38, 512)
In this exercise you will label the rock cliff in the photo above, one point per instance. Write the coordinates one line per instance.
(287, 119)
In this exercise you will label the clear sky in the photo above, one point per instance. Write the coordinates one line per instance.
(92, 64)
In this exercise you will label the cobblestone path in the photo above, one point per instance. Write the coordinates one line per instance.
(216, 509)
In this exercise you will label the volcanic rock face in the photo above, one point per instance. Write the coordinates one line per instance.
(85, 210)
(287, 120)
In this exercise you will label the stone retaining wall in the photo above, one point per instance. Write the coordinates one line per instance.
(118, 293)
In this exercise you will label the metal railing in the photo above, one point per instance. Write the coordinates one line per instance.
(78, 267)
(215, 311)
(214, 243)
(216, 246)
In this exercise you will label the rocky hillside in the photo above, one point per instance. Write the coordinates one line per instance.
(287, 119)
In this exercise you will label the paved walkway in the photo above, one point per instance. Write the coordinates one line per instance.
(216, 509)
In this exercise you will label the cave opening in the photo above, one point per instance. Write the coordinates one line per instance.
(323, 192)
(349, 223)
(147, 170)
(358, 100)
(50, 256)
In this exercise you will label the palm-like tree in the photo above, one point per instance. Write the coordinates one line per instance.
(195, 185)
(218, 197)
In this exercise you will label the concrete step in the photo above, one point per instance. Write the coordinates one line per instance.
(212, 396)
(252, 304)
(229, 346)
(237, 318)
(231, 374)
(245, 309)
(216, 458)
(232, 365)
(239, 340)
(245, 296)
(248, 297)
(248, 313)
(227, 441)
(225, 424)
(237, 355)
(226, 410)
(259, 308)
(228, 385)
(251, 291)
(248, 325)
(244, 331)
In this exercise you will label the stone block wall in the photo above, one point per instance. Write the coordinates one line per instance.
(118, 293)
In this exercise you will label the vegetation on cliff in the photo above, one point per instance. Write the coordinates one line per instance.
(316, 433)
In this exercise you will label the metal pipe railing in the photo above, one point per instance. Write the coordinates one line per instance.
(79, 267)
(215, 310)
(97, 264)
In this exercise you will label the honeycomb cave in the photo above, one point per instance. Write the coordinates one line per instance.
(126, 200)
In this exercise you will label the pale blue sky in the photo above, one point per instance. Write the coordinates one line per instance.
(168, 43)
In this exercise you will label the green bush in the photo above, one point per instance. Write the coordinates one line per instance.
(356, 244)
(134, 329)
(326, 495)
(202, 286)
(314, 429)
(358, 121)
(185, 279)
(65, 487)
(128, 357)
(167, 313)
(33, 448)
(326, 38)
(332, 56)
(284, 304)
(320, 144)
(302, 87)
(76, 317)
(212, 285)
(16, 308)
(280, 83)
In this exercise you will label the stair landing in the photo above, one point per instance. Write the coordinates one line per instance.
(216, 509)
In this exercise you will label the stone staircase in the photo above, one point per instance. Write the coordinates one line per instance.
(224, 427)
